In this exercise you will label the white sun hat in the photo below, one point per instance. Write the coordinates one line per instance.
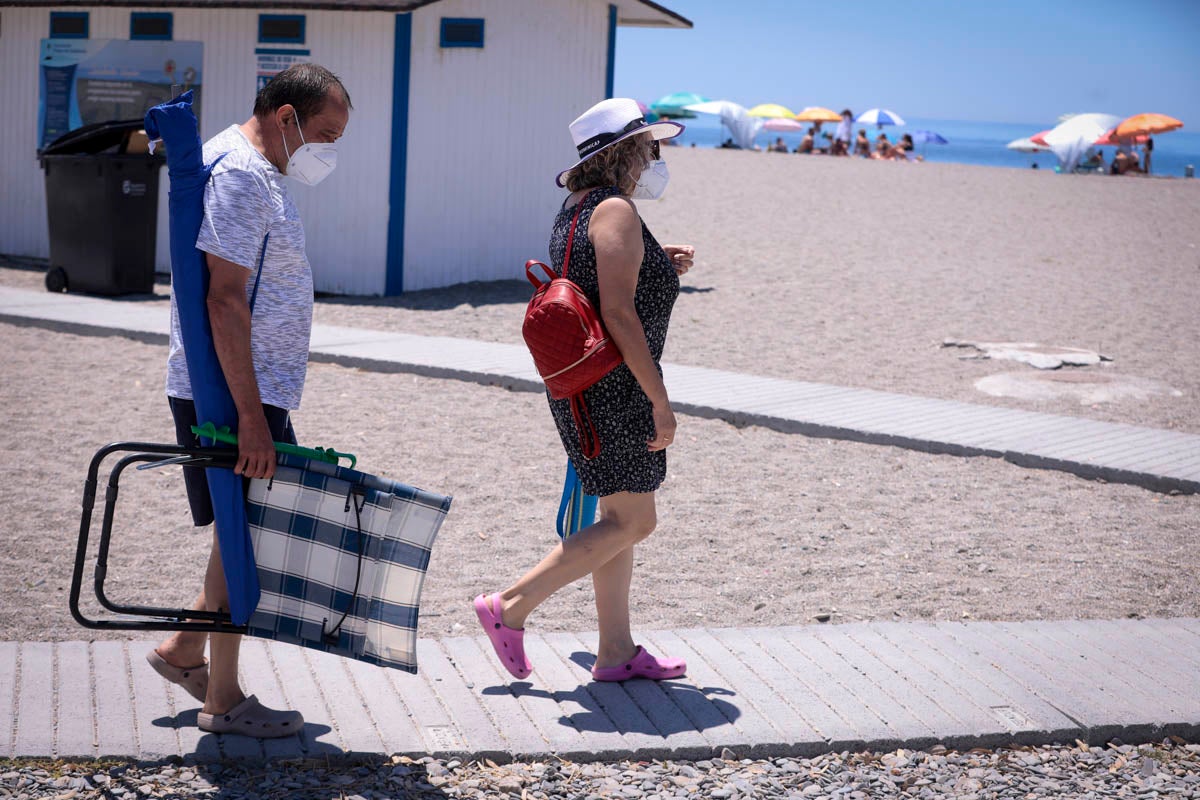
(611, 121)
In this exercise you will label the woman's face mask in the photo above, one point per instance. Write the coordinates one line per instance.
(311, 163)
(652, 182)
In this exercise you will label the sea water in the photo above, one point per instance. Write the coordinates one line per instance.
(969, 142)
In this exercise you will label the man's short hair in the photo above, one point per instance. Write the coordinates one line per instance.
(302, 86)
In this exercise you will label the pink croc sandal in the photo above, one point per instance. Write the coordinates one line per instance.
(509, 643)
(642, 665)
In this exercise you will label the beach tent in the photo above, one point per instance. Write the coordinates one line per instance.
(1071, 139)
(742, 127)
(175, 124)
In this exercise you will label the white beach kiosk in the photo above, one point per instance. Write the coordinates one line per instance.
(446, 172)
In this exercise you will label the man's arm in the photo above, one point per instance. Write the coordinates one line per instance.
(229, 315)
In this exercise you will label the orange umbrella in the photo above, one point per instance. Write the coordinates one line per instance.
(1112, 140)
(817, 114)
(1145, 124)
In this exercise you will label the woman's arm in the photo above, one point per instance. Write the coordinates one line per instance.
(615, 231)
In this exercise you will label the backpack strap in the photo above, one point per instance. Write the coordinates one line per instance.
(571, 235)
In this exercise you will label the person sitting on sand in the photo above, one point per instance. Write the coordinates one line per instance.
(902, 148)
(780, 146)
(1097, 160)
(729, 145)
(882, 145)
(862, 145)
(806, 144)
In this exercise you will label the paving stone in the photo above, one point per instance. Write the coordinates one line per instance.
(75, 724)
(34, 712)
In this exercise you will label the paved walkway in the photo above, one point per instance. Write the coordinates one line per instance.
(759, 691)
(1157, 459)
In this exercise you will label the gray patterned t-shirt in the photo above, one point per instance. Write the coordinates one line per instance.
(245, 199)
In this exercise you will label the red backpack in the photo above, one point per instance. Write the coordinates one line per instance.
(567, 340)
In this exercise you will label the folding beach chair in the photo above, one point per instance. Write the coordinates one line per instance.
(340, 555)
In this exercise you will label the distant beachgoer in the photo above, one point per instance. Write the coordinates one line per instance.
(623, 270)
(780, 146)
(1097, 161)
(883, 147)
(841, 138)
(1147, 148)
(728, 144)
(806, 144)
(862, 145)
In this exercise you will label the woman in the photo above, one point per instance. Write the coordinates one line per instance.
(633, 282)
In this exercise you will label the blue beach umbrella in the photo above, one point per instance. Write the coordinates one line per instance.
(879, 117)
(928, 137)
(175, 124)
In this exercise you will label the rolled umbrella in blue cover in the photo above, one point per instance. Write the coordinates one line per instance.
(576, 510)
(175, 124)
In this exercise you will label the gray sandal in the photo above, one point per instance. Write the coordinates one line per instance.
(194, 680)
(252, 718)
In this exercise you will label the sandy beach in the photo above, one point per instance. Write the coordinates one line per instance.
(830, 270)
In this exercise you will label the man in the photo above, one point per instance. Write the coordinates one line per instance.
(253, 242)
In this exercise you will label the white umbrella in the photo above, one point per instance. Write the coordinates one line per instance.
(742, 127)
(880, 117)
(1026, 145)
(1071, 139)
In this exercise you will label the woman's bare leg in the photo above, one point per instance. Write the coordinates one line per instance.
(611, 582)
(625, 519)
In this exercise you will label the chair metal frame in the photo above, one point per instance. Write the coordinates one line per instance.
(148, 618)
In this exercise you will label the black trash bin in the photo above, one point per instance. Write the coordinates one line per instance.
(102, 208)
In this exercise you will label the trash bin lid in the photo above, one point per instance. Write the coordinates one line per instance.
(94, 138)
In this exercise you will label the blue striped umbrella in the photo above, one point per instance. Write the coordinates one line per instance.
(879, 117)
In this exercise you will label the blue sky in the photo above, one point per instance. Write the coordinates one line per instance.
(987, 60)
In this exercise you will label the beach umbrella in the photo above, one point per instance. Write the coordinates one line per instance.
(772, 111)
(649, 115)
(742, 127)
(1145, 124)
(928, 137)
(879, 117)
(784, 125)
(672, 105)
(1112, 140)
(174, 122)
(818, 114)
(1071, 139)
(1027, 144)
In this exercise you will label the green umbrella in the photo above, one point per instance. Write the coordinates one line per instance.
(673, 104)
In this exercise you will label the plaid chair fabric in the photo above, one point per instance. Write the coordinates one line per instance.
(341, 559)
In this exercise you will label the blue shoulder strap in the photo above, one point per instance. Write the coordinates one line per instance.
(258, 276)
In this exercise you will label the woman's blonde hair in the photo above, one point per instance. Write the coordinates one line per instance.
(619, 165)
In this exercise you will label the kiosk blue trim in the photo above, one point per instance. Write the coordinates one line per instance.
(401, 72)
(612, 51)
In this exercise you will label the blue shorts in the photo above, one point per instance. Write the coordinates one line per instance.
(194, 478)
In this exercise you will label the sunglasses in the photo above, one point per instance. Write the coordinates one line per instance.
(655, 150)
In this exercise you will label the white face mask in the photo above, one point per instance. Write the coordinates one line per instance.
(652, 182)
(311, 163)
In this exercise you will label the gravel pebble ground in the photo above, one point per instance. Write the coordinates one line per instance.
(1170, 769)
